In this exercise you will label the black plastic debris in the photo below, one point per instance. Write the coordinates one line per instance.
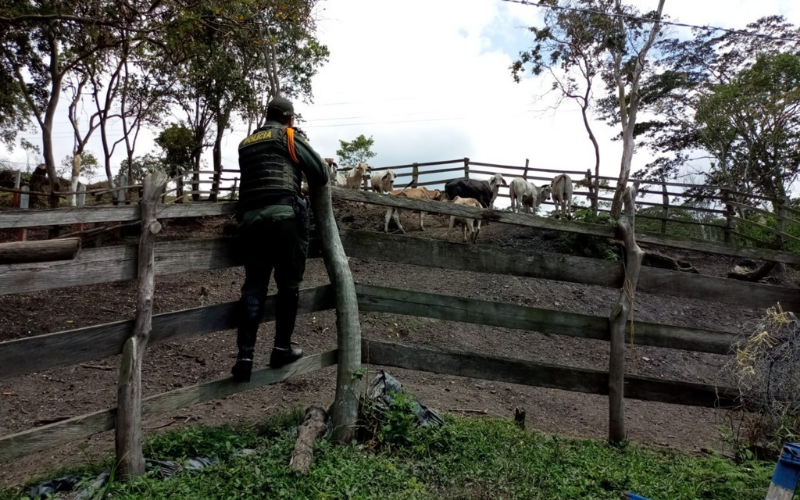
(60, 485)
(67, 484)
(383, 389)
(168, 468)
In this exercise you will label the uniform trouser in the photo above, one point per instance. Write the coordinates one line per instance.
(283, 246)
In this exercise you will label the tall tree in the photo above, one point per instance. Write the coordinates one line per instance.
(356, 151)
(570, 46)
(40, 44)
(692, 70)
(751, 126)
(628, 48)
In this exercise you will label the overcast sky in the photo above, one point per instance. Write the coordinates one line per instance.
(421, 78)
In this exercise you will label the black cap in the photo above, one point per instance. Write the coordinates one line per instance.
(281, 105)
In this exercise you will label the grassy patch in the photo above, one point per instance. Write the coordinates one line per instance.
(465, 459)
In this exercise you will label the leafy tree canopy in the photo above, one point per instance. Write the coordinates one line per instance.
(356, 151)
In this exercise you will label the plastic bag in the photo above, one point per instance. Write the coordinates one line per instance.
(382, 390)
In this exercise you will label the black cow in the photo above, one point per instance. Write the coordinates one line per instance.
(483, 191)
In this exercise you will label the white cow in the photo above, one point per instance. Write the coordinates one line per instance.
(471, 225)
(355, 175)
(562, 195)
(383, 182)
(526, 196)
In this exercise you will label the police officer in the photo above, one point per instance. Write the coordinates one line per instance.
(273, 227)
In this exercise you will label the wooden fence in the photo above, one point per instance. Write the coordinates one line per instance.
(119, 263)
(730, 207)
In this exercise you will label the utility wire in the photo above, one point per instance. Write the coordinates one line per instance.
(649, 20)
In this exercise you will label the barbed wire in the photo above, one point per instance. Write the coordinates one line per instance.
(650, 20)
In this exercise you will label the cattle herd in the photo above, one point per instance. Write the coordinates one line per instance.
(525, 196)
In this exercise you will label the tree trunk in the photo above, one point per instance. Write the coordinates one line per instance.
(217, 158)
(619, 317)
(624, 167)
(76, 173)
(345, 406)
(128, 429)
(39, 251)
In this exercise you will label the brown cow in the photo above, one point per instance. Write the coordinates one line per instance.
(471, 225)
(417, 193)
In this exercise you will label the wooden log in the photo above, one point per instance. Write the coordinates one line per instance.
(619, 318)
(130, 459)
(43, 438)
(18, 252)
(345, 405)
(22, 356)
(19, 357)
(517, 371)
(563, 225)
(466, 167)
(551, 322)
(665, 208)
(414, 175)
(10, 219)
(314, 426)
(422, 164)
(559, 267)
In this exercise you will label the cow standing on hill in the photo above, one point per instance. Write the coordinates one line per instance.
(562, 195)
(417, 193)
(483, 191)
(526, 196)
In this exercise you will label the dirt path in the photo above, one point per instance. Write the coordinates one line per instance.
(37, 398)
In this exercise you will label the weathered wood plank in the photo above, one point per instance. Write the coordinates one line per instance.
(42, 438)
(562, 225)
(130, 457)
(82, 215)
(21, 356)
(17, 252)
(504, 315)
(516, 371)
(559, 267)
(117, 263)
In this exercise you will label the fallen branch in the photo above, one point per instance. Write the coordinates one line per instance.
(314, 425)
(658, 259)
(745, 274)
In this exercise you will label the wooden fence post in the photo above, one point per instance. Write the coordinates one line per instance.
(525, 173)
(24, 203)
(129, 390)
(414, 175)
(664, 207)
(729, 215)
(345, 405)
(592, 191)
(620, 315)
(466, 168)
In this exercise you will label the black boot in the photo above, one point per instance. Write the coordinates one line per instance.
(242, 369)
(284, 355)
(285, 316)
(250, 313)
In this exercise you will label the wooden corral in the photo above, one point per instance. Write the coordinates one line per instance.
(119, 263)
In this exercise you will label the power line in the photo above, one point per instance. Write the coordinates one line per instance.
(648, 20)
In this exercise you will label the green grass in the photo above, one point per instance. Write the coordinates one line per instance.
(467, 458)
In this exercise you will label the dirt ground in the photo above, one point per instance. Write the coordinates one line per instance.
(40, 398)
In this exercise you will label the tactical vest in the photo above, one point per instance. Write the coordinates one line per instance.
(268, 175)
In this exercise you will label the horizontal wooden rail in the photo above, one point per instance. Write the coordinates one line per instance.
(517, 371)
(763, 212)
(559, 267)
(651, 204)
(20, 357)
(12, 219)
(547, 321)
(494, 165)
(555, 171)
(562, 225)
(43, 438)
(426, 164)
